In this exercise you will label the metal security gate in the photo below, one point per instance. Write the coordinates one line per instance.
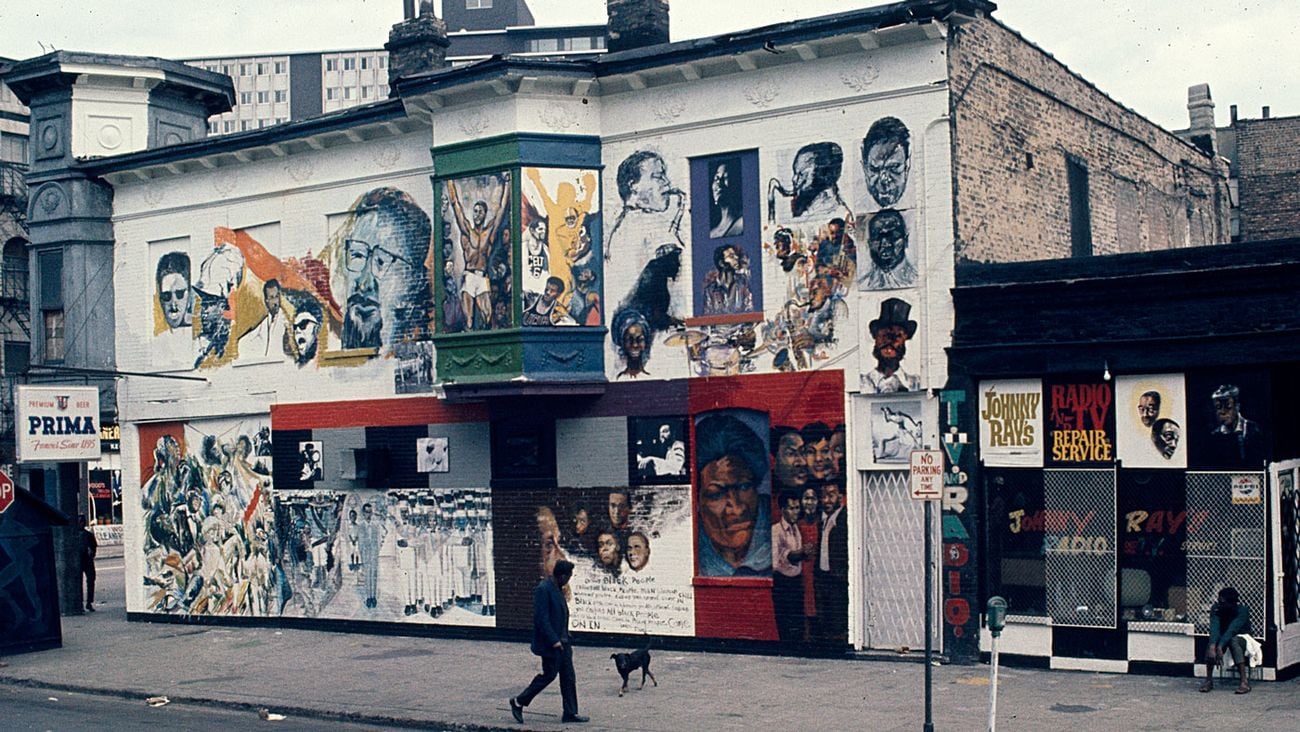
(1079, 523)
(1226, 544)
(894, 551)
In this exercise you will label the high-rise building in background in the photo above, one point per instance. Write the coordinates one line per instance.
(274, 88)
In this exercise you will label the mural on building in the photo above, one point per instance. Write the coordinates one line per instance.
(886, 161)
(896, 430)
(476, 253)
(1080, 421)
(655, 205)
(312, 466)
(648, 310)
(890, 370)
(819, 264)
(808, 486)
(367, 290)
(735, 494)
(814, 187)
(433, 455)
(631, 548)
(1229, 428)
(957, 417)
(561, 231)
(173, 310)
(657, 451)
(404, 555)
(1150, 415)
(726, 253)
(892, 259)
(209, 538)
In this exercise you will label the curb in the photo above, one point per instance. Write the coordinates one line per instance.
(304, 712)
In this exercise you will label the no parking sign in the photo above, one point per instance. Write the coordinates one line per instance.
(927, 475)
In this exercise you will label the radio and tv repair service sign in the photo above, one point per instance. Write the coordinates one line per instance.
(56, 423)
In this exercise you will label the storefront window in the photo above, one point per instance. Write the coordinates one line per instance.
(1153, 524)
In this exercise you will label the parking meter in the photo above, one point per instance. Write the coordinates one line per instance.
(996, 614)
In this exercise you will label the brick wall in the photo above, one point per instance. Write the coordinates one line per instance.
(1018, 113)
(1268, 155)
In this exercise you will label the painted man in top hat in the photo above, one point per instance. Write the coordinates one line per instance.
(891, 332)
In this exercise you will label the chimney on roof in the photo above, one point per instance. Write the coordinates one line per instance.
(1267, 111)
(1232, 114)
(416, 45)
(636, 24)
(1200, 109)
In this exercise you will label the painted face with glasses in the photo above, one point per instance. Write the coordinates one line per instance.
(368, 263)
(175, 297)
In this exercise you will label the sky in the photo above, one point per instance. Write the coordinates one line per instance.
(1143, 53)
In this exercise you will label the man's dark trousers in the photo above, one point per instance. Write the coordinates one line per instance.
(558, 662)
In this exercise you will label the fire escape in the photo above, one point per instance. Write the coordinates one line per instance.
(15, 312)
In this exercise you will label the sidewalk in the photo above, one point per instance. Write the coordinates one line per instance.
(462, 684)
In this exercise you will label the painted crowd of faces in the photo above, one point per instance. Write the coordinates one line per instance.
(366, 292)
(608, 530)
(735, 488)
(477, 276)
(561, 251)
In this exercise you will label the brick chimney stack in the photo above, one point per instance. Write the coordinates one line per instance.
(416, 45)
(1200, 109)
(636, 24)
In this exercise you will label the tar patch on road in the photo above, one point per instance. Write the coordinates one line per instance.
(1072, 708)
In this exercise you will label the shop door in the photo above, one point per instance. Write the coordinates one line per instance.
(1284, 506)
(893, 552)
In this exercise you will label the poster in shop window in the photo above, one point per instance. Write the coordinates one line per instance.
(1011, 423)
(1150, 420)
(1080, 420)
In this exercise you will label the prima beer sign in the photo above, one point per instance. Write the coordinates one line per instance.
(56, 423)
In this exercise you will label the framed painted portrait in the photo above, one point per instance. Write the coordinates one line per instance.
(726, 236)
(432, 456)
(658, 451)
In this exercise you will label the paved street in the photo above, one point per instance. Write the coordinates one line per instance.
(460, 684)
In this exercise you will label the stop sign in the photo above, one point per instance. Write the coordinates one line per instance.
(6, 492)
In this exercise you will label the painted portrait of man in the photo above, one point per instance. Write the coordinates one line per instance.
(172, 284)
(379, 267)
(887, 243)
(887, 160)
(890, 333)
(1150, 413)
(814, 183)
(476, 250)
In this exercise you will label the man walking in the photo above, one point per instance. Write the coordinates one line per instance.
(89, 548)
(551, 641)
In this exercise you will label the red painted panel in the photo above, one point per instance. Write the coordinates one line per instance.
(149, 435)
(742, 607)
(374, 413)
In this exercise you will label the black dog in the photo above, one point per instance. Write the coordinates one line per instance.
(626, 663)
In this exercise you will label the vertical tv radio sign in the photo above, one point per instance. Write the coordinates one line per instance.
(56, 423)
